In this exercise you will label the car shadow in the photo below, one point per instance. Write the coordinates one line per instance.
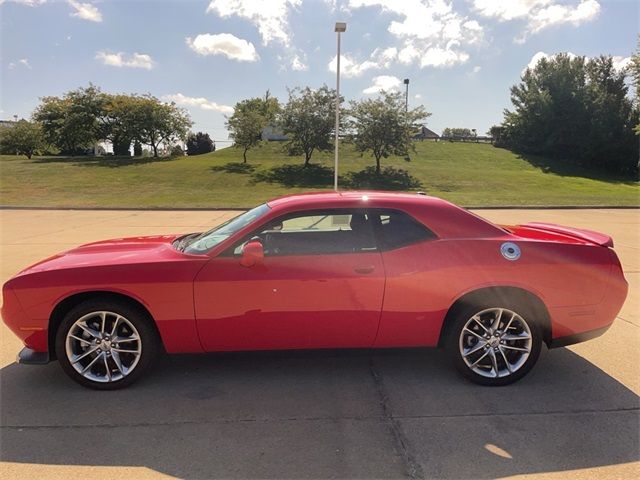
(323, 414)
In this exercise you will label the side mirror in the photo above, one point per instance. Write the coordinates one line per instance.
(252, 253)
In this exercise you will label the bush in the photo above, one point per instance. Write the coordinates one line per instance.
(199, 143)
(177, 151)
(389, 178)
(137, 149)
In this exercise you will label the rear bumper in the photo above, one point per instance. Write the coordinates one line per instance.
(28, 356)
(577, 337)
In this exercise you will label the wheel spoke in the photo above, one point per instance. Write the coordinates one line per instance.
(122, 350)
(106, 366)
(132, 338)
(90, 364)
(513, 315)
(115, 325)
(474, 333)
(496, 321)
(510, 338)
(90, 331)
(506, 362)
(83, 340)
(116, 359)
(103, 316)
(477, 320)
(494, 362)
(519, 349)
(478, 347)
(481, 357)
(88, 352)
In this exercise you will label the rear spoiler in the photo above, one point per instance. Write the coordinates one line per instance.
(588, 235)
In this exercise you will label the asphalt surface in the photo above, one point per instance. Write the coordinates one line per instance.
(397, 414)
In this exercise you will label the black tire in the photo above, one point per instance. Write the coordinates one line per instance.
(463, 313)
(149, 341)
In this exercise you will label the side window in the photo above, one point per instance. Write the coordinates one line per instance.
(397, 229)
(317, 233)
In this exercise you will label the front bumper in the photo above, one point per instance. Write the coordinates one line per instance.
(28, 356)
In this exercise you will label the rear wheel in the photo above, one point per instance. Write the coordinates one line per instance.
(106, 345)
(494, 345)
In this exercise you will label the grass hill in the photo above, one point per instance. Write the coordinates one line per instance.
(467, 174)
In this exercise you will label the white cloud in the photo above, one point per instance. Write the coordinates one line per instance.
(28, 3)
(417, 96)
(299, 64)
(476, 69)
(121, 59)
(23, 61)
(619, 63)
(85, 11)
(270, 16)
(539, 56)
(224, 44)
(430, 32)
(383, 82)
(198, 102)
(539, 14)
(350, 67)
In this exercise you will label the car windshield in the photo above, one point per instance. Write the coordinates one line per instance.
(207, 240)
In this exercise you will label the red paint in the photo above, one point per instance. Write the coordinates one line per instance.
(369, 299)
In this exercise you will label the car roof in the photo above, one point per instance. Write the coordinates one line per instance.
(444, 218)
(320, 199)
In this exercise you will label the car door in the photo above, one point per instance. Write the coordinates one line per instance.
(413, 307)
(320, 285)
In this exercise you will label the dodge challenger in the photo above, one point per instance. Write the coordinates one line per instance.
(367, 270)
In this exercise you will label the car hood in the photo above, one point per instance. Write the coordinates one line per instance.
(117, 251)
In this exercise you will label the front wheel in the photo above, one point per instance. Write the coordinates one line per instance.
(106, 345)
(494, 345)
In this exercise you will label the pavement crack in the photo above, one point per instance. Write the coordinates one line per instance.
(412, 466)
(357, 418)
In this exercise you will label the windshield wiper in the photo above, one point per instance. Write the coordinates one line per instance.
(183, 242)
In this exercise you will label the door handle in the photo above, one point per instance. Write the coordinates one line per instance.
(364, 269)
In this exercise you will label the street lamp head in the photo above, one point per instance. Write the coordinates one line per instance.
(406, 81)
(340, 27)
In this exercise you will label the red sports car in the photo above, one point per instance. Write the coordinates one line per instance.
(324, 270)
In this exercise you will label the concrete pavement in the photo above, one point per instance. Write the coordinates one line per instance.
(321, 415)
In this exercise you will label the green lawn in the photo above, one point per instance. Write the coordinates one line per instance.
(467, 174)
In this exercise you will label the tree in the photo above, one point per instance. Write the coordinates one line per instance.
(199, 143)
(308, 119)
(574, 110)
(22, 138)
(154, 122)
(457, 132)
(495, 132)
(634, 71)
(249, 118)
(383, 126)
(73, 122)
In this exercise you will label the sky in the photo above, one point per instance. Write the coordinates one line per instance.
(460, 56)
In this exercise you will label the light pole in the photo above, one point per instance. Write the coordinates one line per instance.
(341, 27)
(406, 95)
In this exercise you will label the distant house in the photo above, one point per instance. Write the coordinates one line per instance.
(426, 134)
(7, 123)
(272, 133)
